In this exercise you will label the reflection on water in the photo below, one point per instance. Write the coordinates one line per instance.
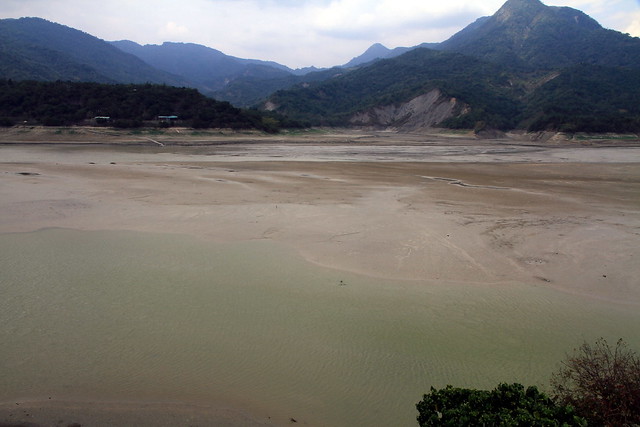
(120, 315)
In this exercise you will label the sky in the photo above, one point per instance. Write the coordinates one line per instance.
(296, 33)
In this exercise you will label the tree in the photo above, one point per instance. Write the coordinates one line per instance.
(506, 405)
(602, 383)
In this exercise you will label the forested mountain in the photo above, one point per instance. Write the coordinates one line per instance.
(534, 36)
(249, 91)
(392, 81)
(378, 51)
(36, 49)
(527, 66)
(72, 103)
(588, 98)
(528, 34)
(205, 68)
(375, 51)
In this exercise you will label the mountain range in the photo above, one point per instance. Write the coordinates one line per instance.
(36, 49)
(527, 66)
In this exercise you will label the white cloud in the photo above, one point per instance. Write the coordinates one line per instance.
(171, 30)
(634, 26)
(615, 14)
(353, 17)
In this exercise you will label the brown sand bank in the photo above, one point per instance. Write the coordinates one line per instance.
(432, 210)
(466, 210)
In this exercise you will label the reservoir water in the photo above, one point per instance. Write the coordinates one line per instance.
(151, 317)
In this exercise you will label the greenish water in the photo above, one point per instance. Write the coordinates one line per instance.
(122, 315)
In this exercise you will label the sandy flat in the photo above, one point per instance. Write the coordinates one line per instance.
(433, 210)
(161, 414)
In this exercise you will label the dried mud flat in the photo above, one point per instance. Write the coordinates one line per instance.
(432, 209)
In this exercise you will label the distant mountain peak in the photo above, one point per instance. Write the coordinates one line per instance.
(376, 48)
(525, 13)
(527, 33)
(375, 51)
(523, 4)
(519, 8)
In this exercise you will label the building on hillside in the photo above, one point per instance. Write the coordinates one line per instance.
(102, 119)
(167, 119)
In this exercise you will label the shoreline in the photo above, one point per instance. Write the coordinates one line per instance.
(178, 136)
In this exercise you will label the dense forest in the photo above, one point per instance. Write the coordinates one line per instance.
(248, 91)
(529, 66)
(123, 105)
(589, 98)
(36, 49)
(390, 81)
(533, 36)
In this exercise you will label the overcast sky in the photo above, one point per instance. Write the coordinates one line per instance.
(296, 33)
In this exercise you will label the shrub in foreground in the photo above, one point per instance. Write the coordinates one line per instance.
(602, 383)
(506, 405)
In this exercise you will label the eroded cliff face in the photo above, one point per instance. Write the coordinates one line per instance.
(424, 111)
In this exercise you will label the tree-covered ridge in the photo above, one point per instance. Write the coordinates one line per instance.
(204, 68)
(67, 103)
(248, 91)
(36, 49)
(528, 34)
(588, 98)
(496, 67)
(391, 81)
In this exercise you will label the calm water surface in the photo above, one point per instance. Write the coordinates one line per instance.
(122, 315)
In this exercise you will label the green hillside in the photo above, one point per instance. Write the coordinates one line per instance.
(36, 49)
(586, 98)
(67, 103)
(390, 81)
(248, 91)
(204, 68)
(529, 66)
(531, 35)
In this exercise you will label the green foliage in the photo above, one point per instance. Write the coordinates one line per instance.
(128, 106)
(602, 383)
(494, 67)
(586, 98)
(581, 98)
(204, 68)
(6, 122)
(393, 81)
(530, 35)
(36, 49)
(248, 91)
(506, 405)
